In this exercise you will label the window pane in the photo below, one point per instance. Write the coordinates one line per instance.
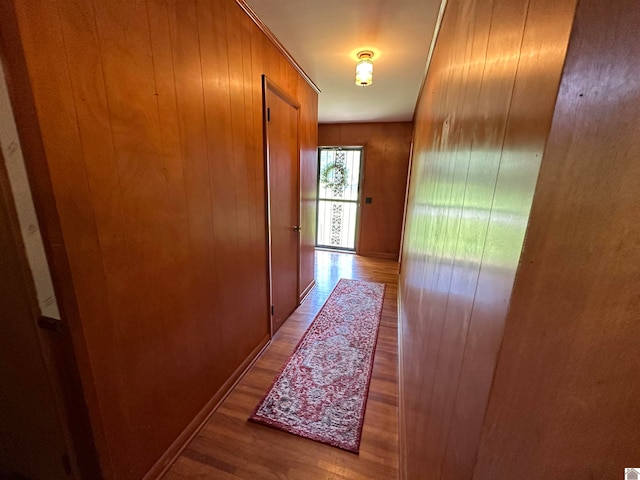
(337, 224)
(339, 174)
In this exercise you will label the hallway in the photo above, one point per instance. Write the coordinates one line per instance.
(229, 447)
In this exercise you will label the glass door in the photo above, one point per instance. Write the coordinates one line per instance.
(338, 196)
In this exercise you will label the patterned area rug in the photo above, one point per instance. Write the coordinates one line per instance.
(322, 390)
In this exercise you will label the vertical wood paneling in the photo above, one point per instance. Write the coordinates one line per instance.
(525, 136)
(386, 159)
(566, 385)
(308, 134)
(238, 191)
(219, 95)
(77, 228)
(141, 314)
(480, 129)
(61, 356)
(151, 118)
(183, 298)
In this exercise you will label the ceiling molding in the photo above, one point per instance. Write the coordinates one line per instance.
(252, 15)
(436, 32)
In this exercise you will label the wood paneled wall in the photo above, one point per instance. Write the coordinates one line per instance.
(386, 159)
(565, 401)
(150, 120)
(308, 140)
(480, 130)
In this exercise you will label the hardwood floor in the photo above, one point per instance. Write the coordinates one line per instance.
(229, 447)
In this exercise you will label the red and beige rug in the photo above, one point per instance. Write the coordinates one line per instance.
(321, 392)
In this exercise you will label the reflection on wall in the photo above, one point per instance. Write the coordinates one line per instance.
(566, 386)
(480, 130)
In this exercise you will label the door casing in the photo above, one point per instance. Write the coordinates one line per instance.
(278, 315)
(360, 199)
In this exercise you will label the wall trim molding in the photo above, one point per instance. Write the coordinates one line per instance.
(169, 457)
(436, 32)
(264, 29)
(383, 255)
(305, 293)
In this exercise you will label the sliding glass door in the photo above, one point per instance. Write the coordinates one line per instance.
(338, 196)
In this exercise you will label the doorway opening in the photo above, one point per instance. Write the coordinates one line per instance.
(338, 197)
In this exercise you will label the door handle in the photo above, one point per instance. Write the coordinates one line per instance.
(296, 228)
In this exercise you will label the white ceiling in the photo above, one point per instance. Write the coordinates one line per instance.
(323, 36)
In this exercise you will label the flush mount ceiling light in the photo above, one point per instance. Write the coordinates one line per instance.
(364, 68)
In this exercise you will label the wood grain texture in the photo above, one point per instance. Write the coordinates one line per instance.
(281, 129)
(308, 136)
(64, 360)
(230, 447)
(386, 159)
(566, 388)
(150, 120)
(480, 130)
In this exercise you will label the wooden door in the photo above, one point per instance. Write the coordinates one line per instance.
(281, 133)
(32, 443)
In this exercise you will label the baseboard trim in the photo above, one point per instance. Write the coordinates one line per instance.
(387, 256)
(307, 291)
(402, 438)
(173, 452)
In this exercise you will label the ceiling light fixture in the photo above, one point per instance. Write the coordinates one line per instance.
(364, 68)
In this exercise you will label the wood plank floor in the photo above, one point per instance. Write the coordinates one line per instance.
(229, 447)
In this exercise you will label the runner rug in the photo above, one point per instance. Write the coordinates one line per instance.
(321, 391)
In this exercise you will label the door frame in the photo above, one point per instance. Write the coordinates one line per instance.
(361, 180)
(269, 85)
(51, 350)
(55, 336)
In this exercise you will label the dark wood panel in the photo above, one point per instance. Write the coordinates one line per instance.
(386, 160)
(28, 413)
(63, 355)
(75, 229)
(230, 447)
(151, 119)
(566, 385)
(475, 163)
